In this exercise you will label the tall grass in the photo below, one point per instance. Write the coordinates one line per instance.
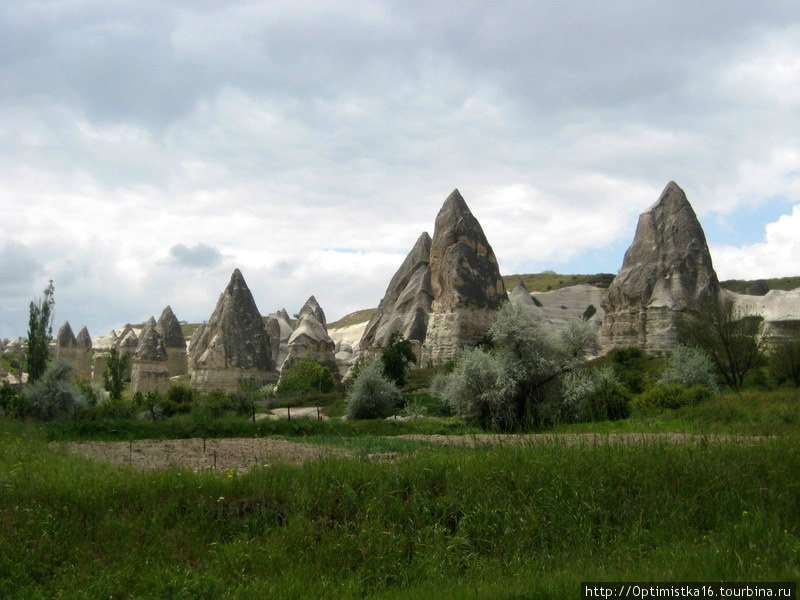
(508, 522)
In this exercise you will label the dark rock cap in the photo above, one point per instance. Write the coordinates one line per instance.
(464, 270)
(151, 346)
(169, 328)
(84, 340)
(65, 338)
(406, 305)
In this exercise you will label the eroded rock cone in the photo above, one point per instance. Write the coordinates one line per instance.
(521, 296)
(465, 280)
(84, 351)
(149, 371)
(233, 345)
(666, 270)
(406, 305)
(169, 328)
(310, 339)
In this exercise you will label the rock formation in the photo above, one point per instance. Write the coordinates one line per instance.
(171, 334)
(83, 345)
(465, 280)
(66, 343)
(127, 344)
(280, 329)
(666, 270)
(406, 305)
(310, 339)
(149, 369)
(233, 345)
(521, 296)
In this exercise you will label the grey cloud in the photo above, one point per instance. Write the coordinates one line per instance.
(198, 256)
(19, 268)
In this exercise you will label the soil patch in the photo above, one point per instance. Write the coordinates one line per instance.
(231, 454)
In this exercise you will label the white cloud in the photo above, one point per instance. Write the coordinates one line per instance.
(777, 256)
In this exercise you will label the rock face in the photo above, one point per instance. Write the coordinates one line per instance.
(666, 270)
(126, 344)
(83, 345)
(521, 296)
(169, 328)
(406, 305)
(465, 280)
(310, 339)
(149, 370)
(233, 345)
(279, 327)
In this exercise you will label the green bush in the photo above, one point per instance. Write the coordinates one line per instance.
(304, 377)
(214, 405)
(610, 400)
(372, 395)
(52, 395)
(169, 408)
(180, 394)
(672, 396)
(11, 401)
(689, 366)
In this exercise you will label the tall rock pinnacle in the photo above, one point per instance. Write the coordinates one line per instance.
(233, 345)
(406, 305)
(666, 270)
(465, 280)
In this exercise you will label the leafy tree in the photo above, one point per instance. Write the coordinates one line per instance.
(114, 374)
(305, 376)
(246, 396)
(784, 359)
(507, 387)
(373, 395)
(397, 357)
(688, 366)
(40, 332)
(730, 336)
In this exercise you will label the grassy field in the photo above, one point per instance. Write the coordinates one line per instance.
(549, 280)
(529, 521)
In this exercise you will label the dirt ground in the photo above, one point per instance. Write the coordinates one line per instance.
(241, 454)
(232, 454)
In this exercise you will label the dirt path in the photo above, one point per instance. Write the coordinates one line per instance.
(232, 454)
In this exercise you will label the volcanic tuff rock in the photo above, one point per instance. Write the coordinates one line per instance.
(67, 349)
(65, 337)
(127, 344)
(310, 339)
(149, 370)
(666, 270)
(84, 350)
(279, 323)
(465, 280)
(406, 305)
(233, 345)
(521, 296)
(169, 328)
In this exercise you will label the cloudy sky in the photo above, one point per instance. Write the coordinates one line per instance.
(147, 148)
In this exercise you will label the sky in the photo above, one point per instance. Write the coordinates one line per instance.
(148, 148)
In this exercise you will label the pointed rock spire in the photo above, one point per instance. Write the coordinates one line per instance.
(84, 340)
(406, 305)
(233, 345)
(65, 338)
(521, 296)
(465, 280)
(312, 307)
(667, 269)
(310, 339)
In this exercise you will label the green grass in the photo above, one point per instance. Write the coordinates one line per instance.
(548, 280)
(483, 523)
(354, 318)
(778, 283)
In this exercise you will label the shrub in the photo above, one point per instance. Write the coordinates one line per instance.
(609, 400)
(180, 394)
(305, 376)
(52, 395)
(169, 408)
(10, 400)
(214, 404)
(689, 366)
(472, 390)
(372, 395)
(672, 396)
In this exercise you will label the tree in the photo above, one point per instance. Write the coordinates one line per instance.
(114, 374)
(689, 366)
(507, 386)
(397, 357)
(784, 358)
(729, 335)
(40, 332)
(305, 376)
